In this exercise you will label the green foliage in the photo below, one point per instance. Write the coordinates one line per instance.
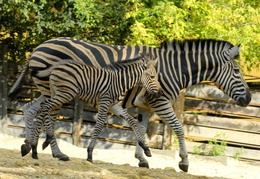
(25, 24)
(238, 153)
(197, 150)
(216, 147)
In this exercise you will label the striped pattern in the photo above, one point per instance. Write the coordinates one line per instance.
(103, 86)
(180, 64)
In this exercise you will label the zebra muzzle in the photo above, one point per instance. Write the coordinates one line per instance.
(245, 100)
(158, 94)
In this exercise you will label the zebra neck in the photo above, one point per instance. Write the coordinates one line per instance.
(129, 77)
(181, 69)
(194, 67)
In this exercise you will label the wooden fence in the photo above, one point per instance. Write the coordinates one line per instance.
(210, 115)
(76, 121)
(208, 112)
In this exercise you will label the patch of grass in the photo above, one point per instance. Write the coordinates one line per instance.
(216, 147)
(237, 154)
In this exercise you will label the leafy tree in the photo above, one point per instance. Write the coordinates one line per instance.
(25, 24)
(237, 21)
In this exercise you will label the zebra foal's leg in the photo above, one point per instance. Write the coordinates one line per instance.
(52, 106)
(119, 111)
(35, 136)
(31, 110)
(163, 108)
(143, 118)
(100, 123)
(56, 153)
(39, 123)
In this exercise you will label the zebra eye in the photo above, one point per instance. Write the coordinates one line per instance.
(237, 71)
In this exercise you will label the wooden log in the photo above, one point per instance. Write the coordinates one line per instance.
(221, 108)
(210, 133)
(16, 131)
(61, 126)
(16, 120)
(89, 116)
(111, 133)
(64, 126)
(246, 125)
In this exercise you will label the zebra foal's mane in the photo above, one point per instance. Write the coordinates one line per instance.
(130, 61)
(115, 66)
(204, 44)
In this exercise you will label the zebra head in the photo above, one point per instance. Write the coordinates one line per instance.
(230, 79)
(149, 78)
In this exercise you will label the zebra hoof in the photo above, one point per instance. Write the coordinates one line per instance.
(148, 153)
(146, 149)
(34, 156)
(25, 149)
(143, 165)
(90, 160)
(62, 157)
(183, 167)
(44, 145)
(65, 158)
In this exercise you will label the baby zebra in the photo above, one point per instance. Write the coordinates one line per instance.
(103, 86)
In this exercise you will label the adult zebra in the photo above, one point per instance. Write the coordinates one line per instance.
(180, 65)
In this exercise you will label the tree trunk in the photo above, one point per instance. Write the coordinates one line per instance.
(3, 91)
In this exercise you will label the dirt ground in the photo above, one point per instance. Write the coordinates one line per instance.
(111, 164)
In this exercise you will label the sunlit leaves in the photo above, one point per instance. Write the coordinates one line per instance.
(25, 24)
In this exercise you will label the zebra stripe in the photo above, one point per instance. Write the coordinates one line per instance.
(104, 86)
(180, 65)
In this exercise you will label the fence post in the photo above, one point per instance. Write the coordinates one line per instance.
(3, 113)
(179, 105)
(77, 121)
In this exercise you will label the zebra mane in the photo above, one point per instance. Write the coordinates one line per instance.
(123, 63)
(115, 66)
(189, 45)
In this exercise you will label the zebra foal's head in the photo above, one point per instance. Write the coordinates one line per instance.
(230, 78)
(149, 79)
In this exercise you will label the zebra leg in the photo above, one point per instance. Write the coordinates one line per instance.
(56, 153)
(101, 118)
(35, 136)
(143, 117)
(31, 110)
(119, 111)
(48, 108)
(163, 108)
(49, 129)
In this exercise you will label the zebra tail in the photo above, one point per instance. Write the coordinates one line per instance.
(16, 88)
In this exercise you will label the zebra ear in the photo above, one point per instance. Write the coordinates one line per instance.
(141, 55)
(152, 62)
(234, 51)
